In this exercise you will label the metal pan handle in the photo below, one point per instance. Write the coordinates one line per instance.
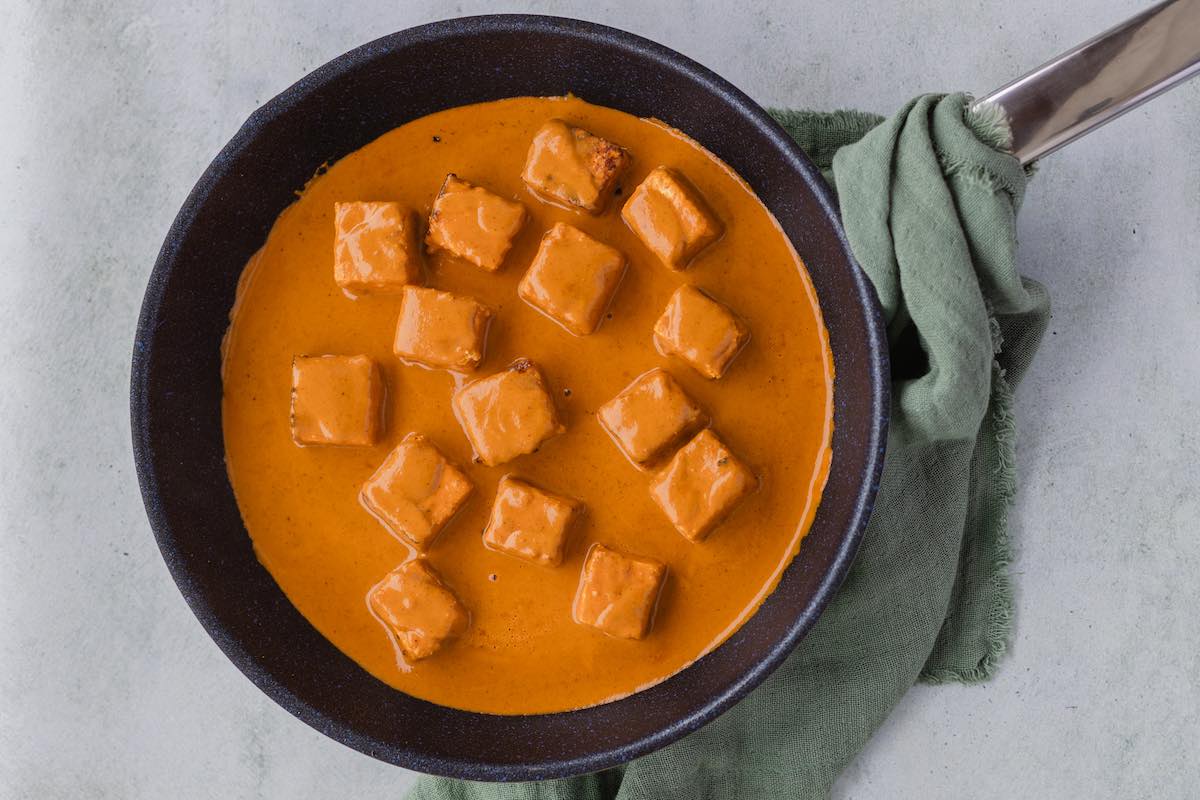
(1102, 78)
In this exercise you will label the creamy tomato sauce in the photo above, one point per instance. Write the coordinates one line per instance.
(522, 651)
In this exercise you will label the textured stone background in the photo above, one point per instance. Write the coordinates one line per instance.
(108, 686)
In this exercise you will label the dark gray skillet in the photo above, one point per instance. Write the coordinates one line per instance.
(176, 387)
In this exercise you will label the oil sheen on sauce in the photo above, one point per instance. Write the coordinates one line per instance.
(523, 653)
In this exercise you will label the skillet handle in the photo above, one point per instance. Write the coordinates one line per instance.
(1102, 78)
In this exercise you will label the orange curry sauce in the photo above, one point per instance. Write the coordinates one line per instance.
(522, 652)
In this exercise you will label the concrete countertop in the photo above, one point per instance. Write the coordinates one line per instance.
(110, 688)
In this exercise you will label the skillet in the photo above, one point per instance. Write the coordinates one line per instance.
(176, 381)
(176, 386)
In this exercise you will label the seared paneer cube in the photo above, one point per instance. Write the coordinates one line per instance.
(529, 522)
(441, 330)
(507, 414)
(572, 278)
(650, 417)
(336, 400)
(415, 491)
(702, 485)
(671, 218)
(618, 592)
(474, 224)
(418, 609)
(701, 331)
(572, 167)
(375, 247)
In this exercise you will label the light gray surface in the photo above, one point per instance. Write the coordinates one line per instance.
(110, 688)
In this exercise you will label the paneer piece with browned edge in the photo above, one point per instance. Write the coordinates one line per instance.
(336, 400)
(702, 485)
(375, 247)
(529, 522)
(650, 417)
(701, 331)
(418, 609)
(571, 167)
(507, 414)
(572, 278)
(474, 224)
(618, 592)
(441, 330)
(415, 491)
(671, 218)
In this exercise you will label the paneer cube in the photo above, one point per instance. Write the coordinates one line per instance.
(336, 400)
(530, 523)
(420, 613)
(671, 218)
(572, 278)
(701, 331)
(650, 417)
(474, 224)
(507, 414)
(415, 491)
(702, 485)
(618, 592)
(441, 330)
(572, 167)
(375, 247)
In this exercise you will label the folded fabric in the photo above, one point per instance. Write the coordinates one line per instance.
(929, 199)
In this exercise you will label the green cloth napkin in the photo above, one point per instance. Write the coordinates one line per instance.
(929, 199)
